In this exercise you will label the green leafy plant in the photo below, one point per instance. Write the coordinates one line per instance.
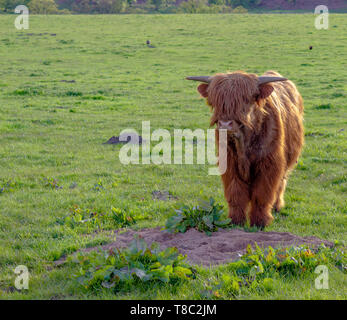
(128, 267)
(79, 216)
(98, 186)
(7, 186)
(337, 255)
(206, 217)
(121, 217)
(257, 268)
(115, 218)
(52, 183)
(287, 261)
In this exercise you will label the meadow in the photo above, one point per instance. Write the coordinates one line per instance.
(69, 83)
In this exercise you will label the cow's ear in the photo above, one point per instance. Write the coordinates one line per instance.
(202, 88)
(265, 91)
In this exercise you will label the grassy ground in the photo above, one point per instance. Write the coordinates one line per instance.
(51, 129)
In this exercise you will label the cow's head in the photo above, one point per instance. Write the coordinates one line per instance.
(235, 96)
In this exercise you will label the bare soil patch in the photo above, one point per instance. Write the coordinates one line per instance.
(68, 81)
(130, 137)
(163, 195)
(221, 247)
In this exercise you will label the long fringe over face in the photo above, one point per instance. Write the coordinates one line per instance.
(232, 97)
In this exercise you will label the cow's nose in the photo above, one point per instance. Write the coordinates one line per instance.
(224, 124)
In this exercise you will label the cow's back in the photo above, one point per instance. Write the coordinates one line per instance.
(289, 104)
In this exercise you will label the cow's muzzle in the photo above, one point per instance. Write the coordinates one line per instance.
(228, 125)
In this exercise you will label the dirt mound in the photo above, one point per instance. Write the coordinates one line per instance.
(220, 247)
(302, 4)
(128, 137)
(163, 195)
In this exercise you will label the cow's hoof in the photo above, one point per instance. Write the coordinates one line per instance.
(278, 206)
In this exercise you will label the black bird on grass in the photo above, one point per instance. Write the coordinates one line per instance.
(148, 42)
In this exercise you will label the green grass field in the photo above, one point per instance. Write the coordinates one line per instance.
(51, 129)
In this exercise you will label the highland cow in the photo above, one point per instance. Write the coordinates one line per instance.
(264, 119)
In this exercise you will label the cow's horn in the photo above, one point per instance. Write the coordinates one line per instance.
(205, 79)
(265, 79)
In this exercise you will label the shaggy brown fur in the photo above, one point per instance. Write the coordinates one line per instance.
(264, 142)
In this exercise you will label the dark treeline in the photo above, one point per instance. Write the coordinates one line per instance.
(129, 6)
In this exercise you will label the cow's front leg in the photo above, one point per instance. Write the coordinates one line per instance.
(279, 203)
(238, 138)
(264, 191)
(237, 195)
